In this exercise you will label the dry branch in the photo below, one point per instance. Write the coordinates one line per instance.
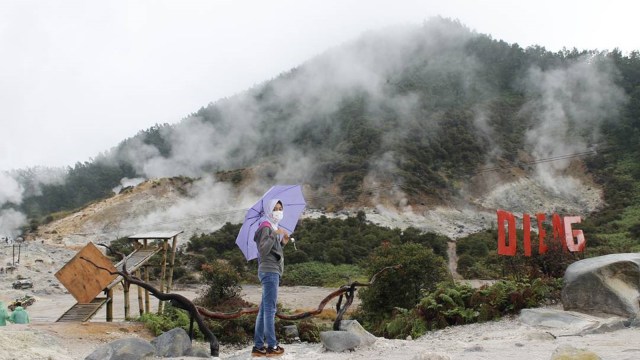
(346, 290)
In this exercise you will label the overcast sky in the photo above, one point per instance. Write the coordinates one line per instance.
(78, 77)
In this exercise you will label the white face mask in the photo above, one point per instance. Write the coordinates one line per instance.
(277, 216)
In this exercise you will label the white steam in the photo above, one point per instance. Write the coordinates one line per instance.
(205, 206)
(11, 221)
(568, 105)
(308, 97)
(11, 192)
(126, 182)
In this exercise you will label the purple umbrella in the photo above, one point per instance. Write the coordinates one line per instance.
(293, 205)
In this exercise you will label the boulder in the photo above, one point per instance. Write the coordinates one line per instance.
(570, 323)
(339, 341)
(354, 327)
(198, 352)
(102, 353)
(607, 284)
(291, 332)
(172, 343)
(124, 349)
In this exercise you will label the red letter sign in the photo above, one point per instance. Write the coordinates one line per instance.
(503, 248)
(571, 234)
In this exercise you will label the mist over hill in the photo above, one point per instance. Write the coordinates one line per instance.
(406, 120)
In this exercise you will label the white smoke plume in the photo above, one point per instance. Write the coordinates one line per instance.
(10, 222)
(126, 182)
(10, 192)
(311, 94)
(568, 106)
(32, 179)
(206, 205)
(18, 184)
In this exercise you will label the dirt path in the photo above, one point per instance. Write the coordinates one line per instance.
(49, 308)
(453, 260)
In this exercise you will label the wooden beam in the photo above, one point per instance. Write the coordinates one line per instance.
(126, 286)
(147, 301)
(140, 305)
(110, 305)
(163, 273)
(171, 263)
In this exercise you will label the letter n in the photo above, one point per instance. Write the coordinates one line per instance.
(558, 231)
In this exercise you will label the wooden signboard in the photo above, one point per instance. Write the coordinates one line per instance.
(82, 279)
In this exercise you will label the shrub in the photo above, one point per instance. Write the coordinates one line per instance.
(402, 288)
(454, 304)
(222, 281)
(170, 318)
(404, 323)
(235, 331)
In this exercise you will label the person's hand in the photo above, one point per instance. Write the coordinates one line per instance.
(285, 235)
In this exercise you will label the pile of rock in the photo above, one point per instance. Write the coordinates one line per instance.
(172, 344)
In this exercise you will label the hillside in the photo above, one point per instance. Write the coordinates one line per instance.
(204, 205)
(433, 125)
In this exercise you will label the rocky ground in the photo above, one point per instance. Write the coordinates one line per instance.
(499, 340)
(46, 339)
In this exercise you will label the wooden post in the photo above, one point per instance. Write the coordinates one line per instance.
(172, 261)
(163, 273)
(126, 299)
(110, 305)
(140, 306)
(147, 307)
(147, 302)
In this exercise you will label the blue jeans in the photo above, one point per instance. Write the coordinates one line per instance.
(266, 320)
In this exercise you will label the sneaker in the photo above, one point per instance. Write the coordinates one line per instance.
(258, 352)
(276, 351)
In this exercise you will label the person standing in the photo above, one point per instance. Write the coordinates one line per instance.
(4, 314)
(19, 315)
(270, 240)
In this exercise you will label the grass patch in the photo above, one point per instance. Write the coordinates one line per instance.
(322, 274)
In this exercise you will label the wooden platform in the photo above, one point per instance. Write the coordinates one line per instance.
(134, 261)
(82, 312)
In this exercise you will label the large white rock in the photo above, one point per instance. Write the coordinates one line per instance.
(607, 284)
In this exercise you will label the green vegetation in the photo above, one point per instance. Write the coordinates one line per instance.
(315, 273)
(453, 304)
